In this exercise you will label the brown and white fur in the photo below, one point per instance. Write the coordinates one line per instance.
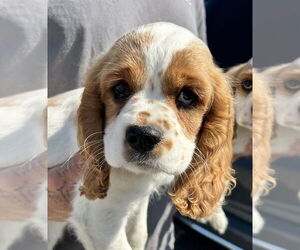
(254, 120)
(242, 142)
(156, 63)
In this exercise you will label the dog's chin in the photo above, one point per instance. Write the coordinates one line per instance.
(148, 167)
(143, 164)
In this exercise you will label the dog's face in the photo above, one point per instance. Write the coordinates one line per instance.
(241, 81)
(155, 100)
(241, 76)
(160, 105)
(286, 84)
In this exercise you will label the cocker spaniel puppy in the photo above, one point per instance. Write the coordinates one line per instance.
(254, 120)
(155, 110)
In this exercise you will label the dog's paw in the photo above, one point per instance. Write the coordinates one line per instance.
(202, 220)
(217, 220)
(258, 222)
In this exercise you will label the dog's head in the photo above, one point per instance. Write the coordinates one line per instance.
(241, 77)
(285, 81)
(158, 104)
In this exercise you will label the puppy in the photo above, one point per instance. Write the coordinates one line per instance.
(155, 110)
(254, 119)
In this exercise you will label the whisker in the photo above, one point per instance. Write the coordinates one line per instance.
(95, 133)
(90, 145)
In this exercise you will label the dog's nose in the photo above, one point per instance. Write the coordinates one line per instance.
(142, 138)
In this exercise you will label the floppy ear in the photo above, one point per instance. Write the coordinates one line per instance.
(197, 192)
(90, 136)
(262, 180)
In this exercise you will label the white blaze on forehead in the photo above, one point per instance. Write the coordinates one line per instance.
(167, 39)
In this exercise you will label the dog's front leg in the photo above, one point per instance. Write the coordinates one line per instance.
(111, 238)
(101, 236)
(100, 224)
(136, 228)
(257, 220)
(217, 220)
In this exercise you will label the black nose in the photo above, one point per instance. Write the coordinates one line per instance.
(142, 138)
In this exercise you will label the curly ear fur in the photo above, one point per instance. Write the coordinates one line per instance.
(90, 130)
(197, 192)
(263, 180)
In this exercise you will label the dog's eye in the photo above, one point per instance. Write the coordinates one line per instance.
(186, 99)
(247, 85)
(292, 85)
(121, 90)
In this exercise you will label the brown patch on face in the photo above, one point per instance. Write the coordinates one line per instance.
(157, 152)
(166, 125)
(190, 67)
(144, 113)
(159, 149)
(142, 117)
(125, 61)
(153, 124)
(167, 144)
